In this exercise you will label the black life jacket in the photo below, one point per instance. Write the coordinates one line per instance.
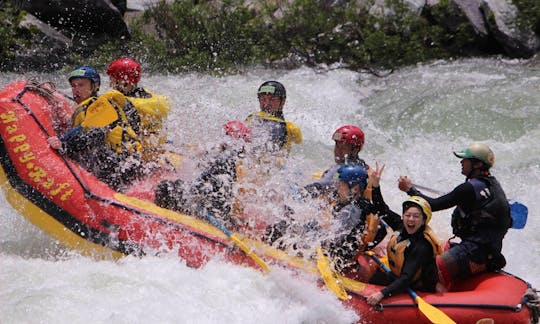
(490, 210)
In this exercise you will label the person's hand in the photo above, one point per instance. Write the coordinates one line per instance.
(375, 176)
(404, 183)
(375, 298)
(54, 142)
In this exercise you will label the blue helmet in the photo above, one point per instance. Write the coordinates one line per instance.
(86, 72)
(353, 174)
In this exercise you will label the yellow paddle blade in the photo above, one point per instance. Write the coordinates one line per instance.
(100, 113)
(351, 284)
(434, 314)
(329, 276)
(247, 251)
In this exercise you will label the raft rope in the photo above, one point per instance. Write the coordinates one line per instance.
(530, 299)
(47, 93)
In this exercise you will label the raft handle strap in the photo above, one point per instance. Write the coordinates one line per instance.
(32, 87)
(486, 306)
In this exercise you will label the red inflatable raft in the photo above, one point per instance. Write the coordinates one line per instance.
(83, 213)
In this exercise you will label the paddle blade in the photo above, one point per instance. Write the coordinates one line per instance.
(352, 285)
(434, 314)
(247, 251)
(329, 276)
(519, 213)
(101, 112)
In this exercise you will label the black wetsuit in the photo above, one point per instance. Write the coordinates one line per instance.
(481, 219)
(418, 255)
(212, 190)
(88, 148)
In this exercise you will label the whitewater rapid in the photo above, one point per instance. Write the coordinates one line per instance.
(413, 119)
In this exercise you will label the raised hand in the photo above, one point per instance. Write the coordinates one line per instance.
(375, 176)
(404, 183)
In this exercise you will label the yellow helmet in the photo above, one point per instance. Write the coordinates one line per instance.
(419, 202)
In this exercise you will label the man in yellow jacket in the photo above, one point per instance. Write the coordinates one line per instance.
(125, 74)
(269, 126)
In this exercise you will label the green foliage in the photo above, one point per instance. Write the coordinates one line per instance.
(529, 14)
(224, 36)
(193, 35)
(196, 36)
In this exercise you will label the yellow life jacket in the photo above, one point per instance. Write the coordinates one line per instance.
(80, 112)
(120, 135)
(153, 111)
(294, 133)
(370, 231)
(396, 251)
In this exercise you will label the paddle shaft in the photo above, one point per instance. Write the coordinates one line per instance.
(434, 314)
(238, 242)
(518, 211)
(70, 133)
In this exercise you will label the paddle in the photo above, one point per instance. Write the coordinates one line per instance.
(329, 276)
(434, 314)
(99, 114)
(323, 264)
(238, 242)
(518, 211)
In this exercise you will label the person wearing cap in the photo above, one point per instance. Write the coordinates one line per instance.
(348, 142)
(103, 137)
(84, 81)
(411, 252)
(124, 74)
(358, 229)
(481, 217)
(269, 126)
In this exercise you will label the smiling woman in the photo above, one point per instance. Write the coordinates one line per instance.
(411, 253)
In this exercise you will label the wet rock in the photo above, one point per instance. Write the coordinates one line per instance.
(47, 47)
(501, 18)
(85, 21)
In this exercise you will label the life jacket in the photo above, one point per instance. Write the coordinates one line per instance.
(371, 229)
(490, 210)
(396, 251)
(153, 109)
(120, 135)
(283, 133)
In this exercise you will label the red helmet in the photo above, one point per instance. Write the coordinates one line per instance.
(237, 129)
(126, 69)
(349, 134)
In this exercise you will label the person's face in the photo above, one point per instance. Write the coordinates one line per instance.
(346, 193)
(270, 103)
(413, 219)
(81, 88)
(342, 151)
(121, 85)
(466, 167)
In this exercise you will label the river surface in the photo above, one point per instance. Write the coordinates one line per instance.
(413, 119)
